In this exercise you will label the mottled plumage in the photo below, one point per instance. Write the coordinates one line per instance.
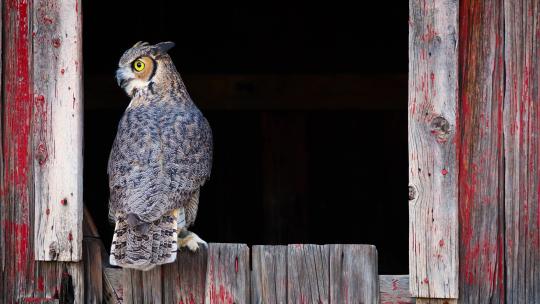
(161, 157)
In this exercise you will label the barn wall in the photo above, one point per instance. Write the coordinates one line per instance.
(22, 278)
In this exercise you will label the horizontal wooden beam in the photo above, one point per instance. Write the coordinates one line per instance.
(271, 91)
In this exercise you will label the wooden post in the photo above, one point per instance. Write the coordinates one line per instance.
(394, 289)
(227, 276)
(57, 138)
(481, 197)
(521, 121)
(433, 174)
(354, 275)
(22, 278)
(269, 274)
(308, 274)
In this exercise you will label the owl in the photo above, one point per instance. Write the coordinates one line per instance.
(160, 159)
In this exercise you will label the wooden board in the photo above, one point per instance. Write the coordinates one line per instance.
(227, 277)
(481, 170)
(521, 128)
(269, 274)
(93, 276)
(433, 174)
(112, 285)
(354, 276)
(57, 138)
(308, 274)
(23, 279)
(394, 289)
(184, 281)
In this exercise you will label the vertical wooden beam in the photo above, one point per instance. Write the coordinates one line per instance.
(308, 274)
(184, 281)
(481, 163)
(354, 275)
(433, 170)
(269, 274)
(227, 276)
(521, 126)
(57, 55)
(23, 279)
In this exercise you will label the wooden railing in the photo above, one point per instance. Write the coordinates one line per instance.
(297, 273)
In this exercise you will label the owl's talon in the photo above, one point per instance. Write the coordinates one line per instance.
(191, 241)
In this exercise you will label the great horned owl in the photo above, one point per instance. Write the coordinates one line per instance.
(161, 157)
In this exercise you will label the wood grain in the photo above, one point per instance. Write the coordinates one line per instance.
(433, 174)
(521, 121)
(481, 162)
(184, 281)
(269, 274)
(308, 273)
(93, 275)
(394, 289)
(227, 276)
(23, 279)
(113, 292)
(57, 138)
(354, 276)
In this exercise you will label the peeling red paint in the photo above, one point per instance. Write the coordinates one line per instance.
(56, 42)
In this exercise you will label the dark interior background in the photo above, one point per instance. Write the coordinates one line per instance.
(308, 108)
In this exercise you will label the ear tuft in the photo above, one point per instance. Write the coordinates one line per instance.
(140, 43)
(165, 46)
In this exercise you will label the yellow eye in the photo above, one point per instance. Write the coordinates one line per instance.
(138, 65)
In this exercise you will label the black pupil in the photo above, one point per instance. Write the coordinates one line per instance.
(139, 64)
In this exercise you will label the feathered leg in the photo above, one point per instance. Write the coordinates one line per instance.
(187, 238)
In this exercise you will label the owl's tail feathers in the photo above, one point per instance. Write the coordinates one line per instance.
(144, 248)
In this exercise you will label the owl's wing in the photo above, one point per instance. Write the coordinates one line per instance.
(157, 164)
(191, 146)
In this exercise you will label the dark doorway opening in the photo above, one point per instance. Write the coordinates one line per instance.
(308, 108)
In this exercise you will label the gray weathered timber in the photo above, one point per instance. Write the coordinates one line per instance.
(23, 279)
(93, 276)
(481, 184)
(521, 121)
(433, 169)
(57, 132)
(112, 286)
(394, 289)
(354, 275)
(142, 286)
(184, 280)
(133, 286)
(308, 274)
(436, 301)
(269, 274)
(227, 276)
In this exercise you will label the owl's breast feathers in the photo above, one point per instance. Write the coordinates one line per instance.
(162, 154)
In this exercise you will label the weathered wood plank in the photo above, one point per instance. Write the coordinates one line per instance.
(394, 289)
(354, 276)
(22, 279)
(112, 286)
(57, 75)
(269, 274)
(184, 281)
(133, 286)
(308, 274)
(433, 204)
(521, 121)
(227, 277)
(93, 276)
(481, 163)
(142, 286)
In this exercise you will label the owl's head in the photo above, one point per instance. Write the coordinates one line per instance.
(145, 66)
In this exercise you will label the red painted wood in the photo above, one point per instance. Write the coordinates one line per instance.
(521, 121)
(481, 167)
(22, 279)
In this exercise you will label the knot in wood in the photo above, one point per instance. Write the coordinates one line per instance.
(412, 193)
(440, 128)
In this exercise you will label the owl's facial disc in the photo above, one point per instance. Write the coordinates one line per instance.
(136, 75)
